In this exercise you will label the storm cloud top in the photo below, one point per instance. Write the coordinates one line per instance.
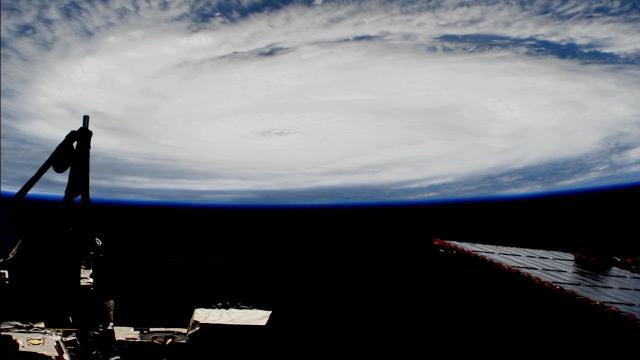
(312, 101)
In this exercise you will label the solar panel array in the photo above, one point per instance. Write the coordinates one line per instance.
(610, 286)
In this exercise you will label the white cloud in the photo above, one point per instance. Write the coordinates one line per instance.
(321, 111)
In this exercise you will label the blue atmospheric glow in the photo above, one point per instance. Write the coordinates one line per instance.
(339, 204)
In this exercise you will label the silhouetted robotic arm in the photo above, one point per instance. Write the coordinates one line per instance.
(72, 153)
(65, 156)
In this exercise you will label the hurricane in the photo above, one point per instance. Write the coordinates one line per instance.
(324, 101)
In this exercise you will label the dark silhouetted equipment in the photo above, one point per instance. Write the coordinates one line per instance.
(58, 311)
(66, 157)
(53, 280)
(607, 286)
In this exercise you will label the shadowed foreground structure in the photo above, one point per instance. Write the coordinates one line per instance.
(595, 281)
(358, 279)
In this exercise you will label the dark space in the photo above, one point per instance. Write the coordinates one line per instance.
(355, 279)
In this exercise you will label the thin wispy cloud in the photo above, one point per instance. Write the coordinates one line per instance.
(309, 101)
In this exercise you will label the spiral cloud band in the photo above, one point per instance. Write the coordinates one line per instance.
(314, 102)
